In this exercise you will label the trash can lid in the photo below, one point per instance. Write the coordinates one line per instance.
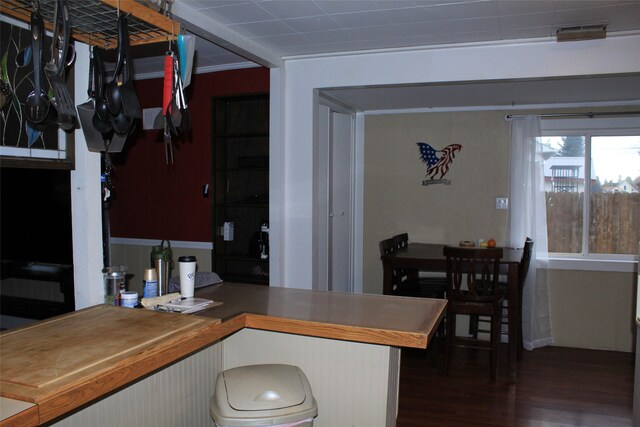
(262, 395)
(264, 387)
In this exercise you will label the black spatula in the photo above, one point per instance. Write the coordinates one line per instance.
(55, 68)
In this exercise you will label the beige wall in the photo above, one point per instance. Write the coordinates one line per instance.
(395, 199)
(592, 309)
(589, 309)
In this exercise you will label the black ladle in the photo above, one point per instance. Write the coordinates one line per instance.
(122, 122)
(38, 109)
(112, 93)
(101, 118)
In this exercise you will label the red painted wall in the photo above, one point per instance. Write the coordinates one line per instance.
(153, 200)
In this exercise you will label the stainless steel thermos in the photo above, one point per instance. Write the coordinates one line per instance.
(161, 257)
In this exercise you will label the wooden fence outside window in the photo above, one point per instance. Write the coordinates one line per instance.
(614, 222)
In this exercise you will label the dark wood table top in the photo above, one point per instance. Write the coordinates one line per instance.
(433, 251)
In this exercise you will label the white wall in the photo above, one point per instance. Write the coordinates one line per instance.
(86, 204)
(301, 77)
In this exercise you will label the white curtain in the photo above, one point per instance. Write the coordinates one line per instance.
(528, 218)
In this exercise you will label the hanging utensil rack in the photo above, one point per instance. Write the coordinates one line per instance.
(94, 22)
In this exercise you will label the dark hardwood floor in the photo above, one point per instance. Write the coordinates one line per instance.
(556, 387)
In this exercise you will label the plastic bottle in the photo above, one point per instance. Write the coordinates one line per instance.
(150, 283)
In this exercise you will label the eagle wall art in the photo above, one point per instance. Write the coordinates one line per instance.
(437, 161)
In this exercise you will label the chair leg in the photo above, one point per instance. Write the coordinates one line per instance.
(449, 335)
(496, 333)
(441, 332)
(520, 339)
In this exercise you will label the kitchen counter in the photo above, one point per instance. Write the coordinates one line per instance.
(373, 319)
(69, 361)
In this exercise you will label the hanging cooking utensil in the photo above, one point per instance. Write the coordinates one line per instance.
(97, 141)
(38, 108)
(86, 111)
(112, 92)
(101, 118)
(186, 117)
(168, 147)
(166, 103)
(186, 52)
(120, 92)
(174, 108)
(122, 121)
(167, 84)
(54, 69)
(130, 102)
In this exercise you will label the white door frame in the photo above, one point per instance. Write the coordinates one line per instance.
(326, 107)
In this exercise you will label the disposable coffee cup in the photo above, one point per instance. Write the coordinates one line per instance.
(187, 265)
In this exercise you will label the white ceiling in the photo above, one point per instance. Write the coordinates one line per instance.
(249, 32)
(499, 94)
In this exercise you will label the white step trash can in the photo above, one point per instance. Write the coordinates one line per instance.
(269, 395)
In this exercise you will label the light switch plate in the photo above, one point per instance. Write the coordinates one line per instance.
(502, 203)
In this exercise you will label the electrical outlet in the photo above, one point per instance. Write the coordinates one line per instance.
(502, 203)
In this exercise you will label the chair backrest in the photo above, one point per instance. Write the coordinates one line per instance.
(387, 246)
(525, 261)
(401, 240)
(472, 273)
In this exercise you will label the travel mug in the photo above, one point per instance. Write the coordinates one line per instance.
(187, 265)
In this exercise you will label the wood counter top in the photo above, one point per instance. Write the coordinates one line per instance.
(65, 362)
(373, 319)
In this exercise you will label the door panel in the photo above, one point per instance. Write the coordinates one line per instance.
(340, 202)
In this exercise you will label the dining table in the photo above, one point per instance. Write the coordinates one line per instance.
(429, 257)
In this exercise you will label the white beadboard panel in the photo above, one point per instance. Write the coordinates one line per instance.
(177, 396)
(394, 386)
(350, 381)
(152, 242)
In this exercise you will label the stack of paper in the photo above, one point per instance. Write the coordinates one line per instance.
(187, 305)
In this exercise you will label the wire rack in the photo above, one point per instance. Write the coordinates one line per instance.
(95, 22)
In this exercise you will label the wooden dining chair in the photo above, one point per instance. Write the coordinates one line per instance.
(401, 283)
(414, 285)
(472, 289)
(479, 324)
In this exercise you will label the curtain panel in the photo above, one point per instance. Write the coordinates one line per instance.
(528, 218)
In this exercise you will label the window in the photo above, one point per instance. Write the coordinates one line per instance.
(592, 185)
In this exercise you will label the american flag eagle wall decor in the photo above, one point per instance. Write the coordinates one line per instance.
(437, 161)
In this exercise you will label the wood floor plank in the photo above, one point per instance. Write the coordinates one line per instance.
(556, 386)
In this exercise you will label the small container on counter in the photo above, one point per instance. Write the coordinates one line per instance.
(114, 283)
(128, 299)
